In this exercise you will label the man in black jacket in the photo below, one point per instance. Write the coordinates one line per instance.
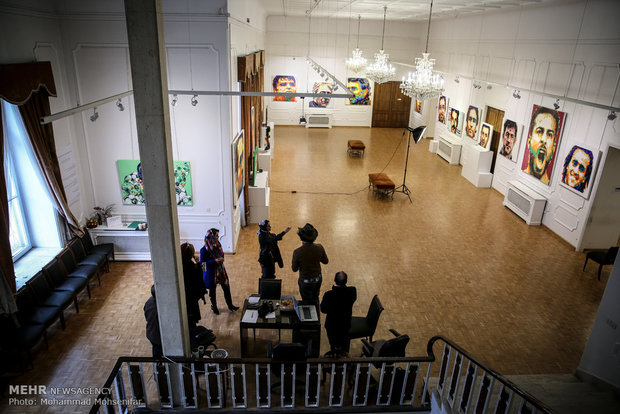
(269, 251)
(337, 304)
(152, 324)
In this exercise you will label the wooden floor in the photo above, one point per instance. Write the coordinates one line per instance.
(455, 262)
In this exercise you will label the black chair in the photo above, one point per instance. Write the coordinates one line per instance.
(45, 296)
(103, 248)
(602, 258)
(394, 347)
(289, 352)
(57, 278)
(85, 271)
(83, 258)
(364, 327)
(33, 321)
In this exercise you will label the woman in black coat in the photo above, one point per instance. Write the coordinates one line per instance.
(269, 250)
(194, 286)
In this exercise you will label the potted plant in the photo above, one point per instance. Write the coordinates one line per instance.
(102, 213)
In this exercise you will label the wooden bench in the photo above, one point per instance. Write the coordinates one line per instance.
(355, 147)
(381, 184)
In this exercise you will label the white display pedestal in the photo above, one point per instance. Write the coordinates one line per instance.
(264, 160)
(525, 202)
(449, 148)
(432, 147)
(477, 166)
(258, 198)
(129, 244)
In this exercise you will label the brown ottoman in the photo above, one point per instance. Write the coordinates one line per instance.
(381, 184)
(355, 147)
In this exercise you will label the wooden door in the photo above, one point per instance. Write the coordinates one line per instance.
(495, 118)
(391, 108)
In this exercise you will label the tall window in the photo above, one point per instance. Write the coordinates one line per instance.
(18, 230)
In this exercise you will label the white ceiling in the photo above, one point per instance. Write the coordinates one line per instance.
(409, 10)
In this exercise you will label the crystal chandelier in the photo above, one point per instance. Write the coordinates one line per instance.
(357, 63)
(381, 70)
(423, 83)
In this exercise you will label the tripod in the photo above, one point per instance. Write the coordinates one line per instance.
(417, 136)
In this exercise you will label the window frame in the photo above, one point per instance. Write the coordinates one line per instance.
(14, 198)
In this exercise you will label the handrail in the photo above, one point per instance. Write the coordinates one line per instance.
(523, 394)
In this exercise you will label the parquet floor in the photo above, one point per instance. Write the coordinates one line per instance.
(454, 262)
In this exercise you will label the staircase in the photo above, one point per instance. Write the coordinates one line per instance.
(565, 393)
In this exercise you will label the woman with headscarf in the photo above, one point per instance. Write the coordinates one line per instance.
(194, 285)
(213, 270)
(269, 251)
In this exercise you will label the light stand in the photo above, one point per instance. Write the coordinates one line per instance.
(417, 134)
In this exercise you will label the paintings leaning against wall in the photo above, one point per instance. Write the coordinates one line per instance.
(486, 135)
(509, 140)
(418, 106)
(579, 169)
(284, 84)
(543, 142)
(442, 106)
(361, 89)
(132, 191)
(237, 152)
(472, 118)
(319, 101)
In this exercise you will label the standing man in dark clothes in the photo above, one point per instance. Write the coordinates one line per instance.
(307, 259)
(152, 324)
(337, 305)
(269, 251)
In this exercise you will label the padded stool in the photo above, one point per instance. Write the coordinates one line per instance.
(381, 184)
(355, 147)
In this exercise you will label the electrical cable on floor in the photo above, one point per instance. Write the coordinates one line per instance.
(338, 192)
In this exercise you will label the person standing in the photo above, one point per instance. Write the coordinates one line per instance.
(337, 305)
(307, 260)
(213, 270)
(194, 285)
(152, 325)
(269, 251)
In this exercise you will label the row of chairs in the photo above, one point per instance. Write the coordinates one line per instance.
(43, 300)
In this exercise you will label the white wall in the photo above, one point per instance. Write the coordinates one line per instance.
(330, 42)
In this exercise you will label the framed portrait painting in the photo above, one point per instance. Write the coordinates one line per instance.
(486, 135)
(509, 140)
(284, 84)
(455, 121)
(542, 143)
(471, 121)
(238, 166)
(579, 169)
(320, 101)
(132, 190)
(418, 106)
(442, 106)
(361, 89)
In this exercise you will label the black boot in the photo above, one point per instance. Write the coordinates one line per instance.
(215, 309)
(233, 308)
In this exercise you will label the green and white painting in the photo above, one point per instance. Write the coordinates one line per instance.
(132, 192)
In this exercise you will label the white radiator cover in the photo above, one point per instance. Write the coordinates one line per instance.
(318, 121)
(449, 150)
(525, 202)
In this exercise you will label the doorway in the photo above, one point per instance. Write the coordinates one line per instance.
(391, 108)
(494, 117)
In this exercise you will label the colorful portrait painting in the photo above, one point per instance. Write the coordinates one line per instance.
(321, 87)
(486, 135)
(132, 191)
(442, 106)
(543, 142)
(456, 121)
(509, 140)
(284, 84)
(361, 88)
(418, 106)
(579, 169)
(238, 165)
(472, 119)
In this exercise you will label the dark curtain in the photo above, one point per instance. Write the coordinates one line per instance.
(6, 259)
(29, 85)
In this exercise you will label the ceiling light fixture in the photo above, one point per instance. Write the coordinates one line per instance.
(516, 94)
(120, 105)
(612, 115)
(424, 83)
(357, 63)
(457, 79)
(95, 115)
(175, 98)
(556, 104)
(194, 100)
(381, 70)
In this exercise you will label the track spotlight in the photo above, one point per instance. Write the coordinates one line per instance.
(175, 98)
(489, 86)
(556, 104)
(95, 115)
(457, 79)
(516, 94)
(120, 105)
(194, 100)
(612, 115)
(335, 88)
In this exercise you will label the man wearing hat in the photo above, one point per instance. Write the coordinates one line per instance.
(269, 251)
(307, 259)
